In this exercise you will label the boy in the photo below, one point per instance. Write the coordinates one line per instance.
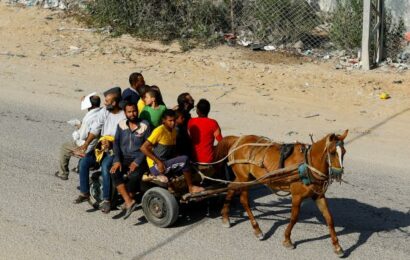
(160, 151)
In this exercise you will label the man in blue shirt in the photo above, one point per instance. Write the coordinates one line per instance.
(134, 92)
(128, 159)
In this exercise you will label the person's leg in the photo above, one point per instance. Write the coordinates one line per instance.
(64, 160)
(118, 180)
(106, 164)
(181, 163)
(85, 165)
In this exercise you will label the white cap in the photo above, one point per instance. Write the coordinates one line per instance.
(86, 103)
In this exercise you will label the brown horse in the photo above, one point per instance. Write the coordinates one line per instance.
(317, 165)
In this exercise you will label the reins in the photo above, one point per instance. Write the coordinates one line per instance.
(273, 174)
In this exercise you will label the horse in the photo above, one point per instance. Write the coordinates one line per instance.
(311, 169)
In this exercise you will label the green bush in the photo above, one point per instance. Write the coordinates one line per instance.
(347, 20)
(165, 20)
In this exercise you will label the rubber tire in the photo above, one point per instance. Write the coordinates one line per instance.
(166, 201)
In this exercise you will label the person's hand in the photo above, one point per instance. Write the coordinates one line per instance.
(115, 167)
(133, 167)
(80, 151)
(161, 167)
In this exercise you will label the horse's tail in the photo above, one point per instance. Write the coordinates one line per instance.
(223, 147)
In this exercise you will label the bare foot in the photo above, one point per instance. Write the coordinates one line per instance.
(195, 189)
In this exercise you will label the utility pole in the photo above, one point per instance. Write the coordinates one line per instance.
(372, 35)
(366, 34)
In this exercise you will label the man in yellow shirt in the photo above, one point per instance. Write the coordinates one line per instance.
(160, 151)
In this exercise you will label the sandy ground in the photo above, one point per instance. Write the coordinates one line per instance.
(48, 62)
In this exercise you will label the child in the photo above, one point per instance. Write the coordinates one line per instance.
(184, 145)
(154, 107)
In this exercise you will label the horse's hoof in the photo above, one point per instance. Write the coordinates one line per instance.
(260, 236)
(226, 224)
(339, 252)
(288, 245)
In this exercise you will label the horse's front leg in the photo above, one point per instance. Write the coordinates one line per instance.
(321, 203)
(244, 198)
(296, 201)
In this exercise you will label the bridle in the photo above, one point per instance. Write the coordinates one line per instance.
(336, 172)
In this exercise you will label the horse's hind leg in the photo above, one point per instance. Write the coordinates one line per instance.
(244, 198)
(296, 201)
(322, 205)
(225, 209)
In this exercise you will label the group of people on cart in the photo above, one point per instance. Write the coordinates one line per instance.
(133, 133)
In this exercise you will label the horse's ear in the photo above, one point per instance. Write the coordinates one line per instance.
(343, 136)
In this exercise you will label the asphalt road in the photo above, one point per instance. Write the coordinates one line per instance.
(39, 221)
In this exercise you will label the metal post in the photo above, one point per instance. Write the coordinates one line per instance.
(380, 31)
(232, 17)
(366, 35)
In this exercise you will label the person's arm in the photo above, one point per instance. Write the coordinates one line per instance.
(95, 129)
(117, 146)
(146, 149)
(141, 156)
(218, 133)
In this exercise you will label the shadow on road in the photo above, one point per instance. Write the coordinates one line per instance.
(353, 216)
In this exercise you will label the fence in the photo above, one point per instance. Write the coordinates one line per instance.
(277, 24)
(281, 23)
(305, 25)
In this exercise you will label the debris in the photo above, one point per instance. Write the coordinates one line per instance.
(13, 55)
(338, 66)
(292, 133)
(257, 47)
(299, 45)
(397, 81)
(314, 115)
(81, 29)
(269, 48)
(75, 65)
(244, 43)
(384, 95)
(78, 90)
(308, 52)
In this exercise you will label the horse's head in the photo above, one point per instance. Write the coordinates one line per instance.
(334, 151)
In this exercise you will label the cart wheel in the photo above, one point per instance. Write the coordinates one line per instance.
(96, 191)
(160, 207)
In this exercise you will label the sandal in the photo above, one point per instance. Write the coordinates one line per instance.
(128, 211)
(61, 176)
(105, 206)
(81, 199)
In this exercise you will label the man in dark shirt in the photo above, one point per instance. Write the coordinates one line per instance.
(134, 92)
(128, 159)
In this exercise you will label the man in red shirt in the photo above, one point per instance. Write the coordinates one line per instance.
(203, 132)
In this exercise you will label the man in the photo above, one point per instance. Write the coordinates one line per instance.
(185, 105)
(135, 91)
(105, 125)
(203, 132)
(128, 159)
(160, 149)
(79, 136)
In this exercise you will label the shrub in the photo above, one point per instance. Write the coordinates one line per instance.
(164, 20)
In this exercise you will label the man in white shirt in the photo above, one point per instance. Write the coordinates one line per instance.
(105, 125)
(79, 136)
